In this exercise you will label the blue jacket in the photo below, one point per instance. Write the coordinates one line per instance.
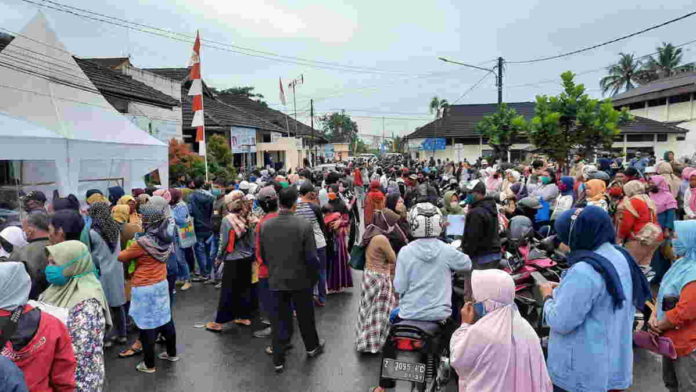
(591, 343)
(201, 209)
(423, 279)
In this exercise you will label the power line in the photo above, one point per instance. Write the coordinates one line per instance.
(470, 89)
(604, 43)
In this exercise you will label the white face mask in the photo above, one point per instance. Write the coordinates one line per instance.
(454, 203)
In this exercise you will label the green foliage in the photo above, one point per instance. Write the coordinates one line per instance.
(622, 76)
(245, 91)
(666, 62)
(220, 164)
(574, 120)
(183, 162)
(397, 144)
(358, 146)
(501, 128)
(339, 127)
(437, 106)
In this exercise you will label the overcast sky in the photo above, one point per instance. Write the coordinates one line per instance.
(397, 41)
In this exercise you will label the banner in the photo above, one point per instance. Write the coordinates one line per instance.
(431, 144)
(242, 140)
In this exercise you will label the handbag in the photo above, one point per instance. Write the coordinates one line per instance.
(357, 257)
(657, 344)
(187, 234)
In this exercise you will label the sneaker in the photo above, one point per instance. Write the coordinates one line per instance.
(108, 343)
(218, 286)
(198, 279)
(166, 357)
(210, 281)
(317, 351)
(263, 333)
(185, 286)
(279, 368)
(269, 349)
(141, 367)
(265, 322)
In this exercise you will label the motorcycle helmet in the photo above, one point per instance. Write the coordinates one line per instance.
(425, 220)
(521, 228)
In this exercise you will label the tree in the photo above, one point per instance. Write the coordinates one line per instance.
(397, 144)
(501, 128)
(666, 62)
(437, 106)
(339, 127)
(183, 162)
(220, 164)
(574, 120)
(245, 91)
(623, 75)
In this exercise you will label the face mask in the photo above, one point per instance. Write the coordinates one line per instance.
(469, 199)
(216, 192)
(480, 310)
(454, 204)
(545, 179)
(54, 273)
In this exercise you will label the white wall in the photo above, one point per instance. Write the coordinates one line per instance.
(164, 124)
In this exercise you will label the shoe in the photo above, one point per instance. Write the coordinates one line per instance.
(166, 357)
(108, 343)
(279, 368)
(198, 279)
(317, 351)
(263, 333)
(185, 286)
(210, 281)
(218, 286)
(265, 322)
(269, 349)
(122, 340)
(141, 367)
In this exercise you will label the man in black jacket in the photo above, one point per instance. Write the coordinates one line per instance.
(289, 250)
(201, 207)
(481, 240)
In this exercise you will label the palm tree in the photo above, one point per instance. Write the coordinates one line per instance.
(622, 75)
(437, 106)
(667, 62)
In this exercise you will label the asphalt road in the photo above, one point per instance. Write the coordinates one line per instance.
(235, 361)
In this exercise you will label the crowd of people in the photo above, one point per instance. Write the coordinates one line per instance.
(76, 277)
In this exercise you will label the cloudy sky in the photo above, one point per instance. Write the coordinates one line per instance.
(390, 47)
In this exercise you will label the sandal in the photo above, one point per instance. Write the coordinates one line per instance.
(213, 327)
(130, 352)
(244, 322)
(269, 349)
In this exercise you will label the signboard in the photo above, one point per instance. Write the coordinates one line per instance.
(414, 144)
(242, 140)
(329, 151)
(275, 136)
(431, 144)
(459, 152)
(298, 143)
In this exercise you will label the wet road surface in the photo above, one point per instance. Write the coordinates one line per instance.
(234, 360)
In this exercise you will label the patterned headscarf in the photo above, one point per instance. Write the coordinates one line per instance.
(157, 240)
(104, 224)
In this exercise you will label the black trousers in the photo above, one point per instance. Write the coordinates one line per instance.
(282, 323)
(148, 337)
(235, 294)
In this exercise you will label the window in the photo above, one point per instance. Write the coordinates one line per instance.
(469, 141)
(448, 141)
(266, 138)
(681, 138)
(680, 98)
(641, 137)
(619, 138)
(657, 102)
(636, 105)
(661, 137)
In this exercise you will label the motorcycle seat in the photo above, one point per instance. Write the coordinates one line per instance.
(431, 328)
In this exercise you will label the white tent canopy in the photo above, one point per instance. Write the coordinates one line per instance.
(56, 122)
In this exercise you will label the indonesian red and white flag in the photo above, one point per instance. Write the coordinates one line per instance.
(196, 94)
(282, 92)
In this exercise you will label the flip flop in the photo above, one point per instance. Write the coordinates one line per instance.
(130, 352)
(243, 322)
(209, 328)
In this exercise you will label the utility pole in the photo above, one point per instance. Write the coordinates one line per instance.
(292, 85)
(314, 142)
(500, 81)
(383, 138)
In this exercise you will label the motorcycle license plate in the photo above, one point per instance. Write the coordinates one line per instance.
(400, 370)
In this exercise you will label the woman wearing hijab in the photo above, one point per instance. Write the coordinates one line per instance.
(595, 301)
(337, 221)
(236, 251)
(11, 238)
(74, 286)
(350, 200)
(690, 196)
(373, 201)
(595, 194)
(451, 205)
(676, 307)
(565, 201)
(664, 201)
(180, 213)
(106, 245)
(133, 216)
(665, 170)
(497, 350)
(636, 216)
(546, 192)
(40, 346)
(150, 300)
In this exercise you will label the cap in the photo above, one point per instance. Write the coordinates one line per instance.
(35, 195)
(266, 194)
(530, 202)
(476, 186)
(306, 187)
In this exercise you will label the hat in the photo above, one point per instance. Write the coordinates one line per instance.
(244, 185)
(267, 193)
(36, 196)
(530, 202)
(476, 186)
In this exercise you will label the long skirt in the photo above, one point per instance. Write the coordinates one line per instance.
(150, 306)
(376, 303)
(235, 293)
(339, 275)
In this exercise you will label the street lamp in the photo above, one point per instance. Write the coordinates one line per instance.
(498, 75)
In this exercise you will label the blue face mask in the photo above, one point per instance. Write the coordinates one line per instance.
(55, 273)
(469, 199)
(480, 310)
(545, 180)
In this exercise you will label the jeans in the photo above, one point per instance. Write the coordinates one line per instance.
(148, 337)
(282, 322)
(182, 272)
(216, 273)
(190, 259)
(320, 288)
(203, 251)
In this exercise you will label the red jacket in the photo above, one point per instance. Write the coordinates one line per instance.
(263, 268)
(357, 178)
(48, 361)
(630, 224)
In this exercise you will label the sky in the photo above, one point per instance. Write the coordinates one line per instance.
(392, 47)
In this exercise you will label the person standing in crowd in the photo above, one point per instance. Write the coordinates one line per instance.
(378, 298)
(106, 246)
(133, 215)
(450, 204)
(676, 311)
(547, 192)
(595, 301)
(359, 184)
(308, 209)
(665, 170)
(33, 255)
(75, 287)
(392, 220)
(115, 193)
(120, 215)
(181, 216)
(34, 201)
(337, 220)
(40, 345)
(566, 199)
(201, 209)
(639, 162)
(595, 194)
(481, 240)
(690, 195)
(150, 299)
(373, 201)
(666, 206)
(636, 224)
(288, 249)
(237, 253)
(496, 350)
(11, 238)
(268, 201)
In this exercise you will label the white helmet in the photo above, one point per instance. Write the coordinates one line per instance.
(425, 220)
